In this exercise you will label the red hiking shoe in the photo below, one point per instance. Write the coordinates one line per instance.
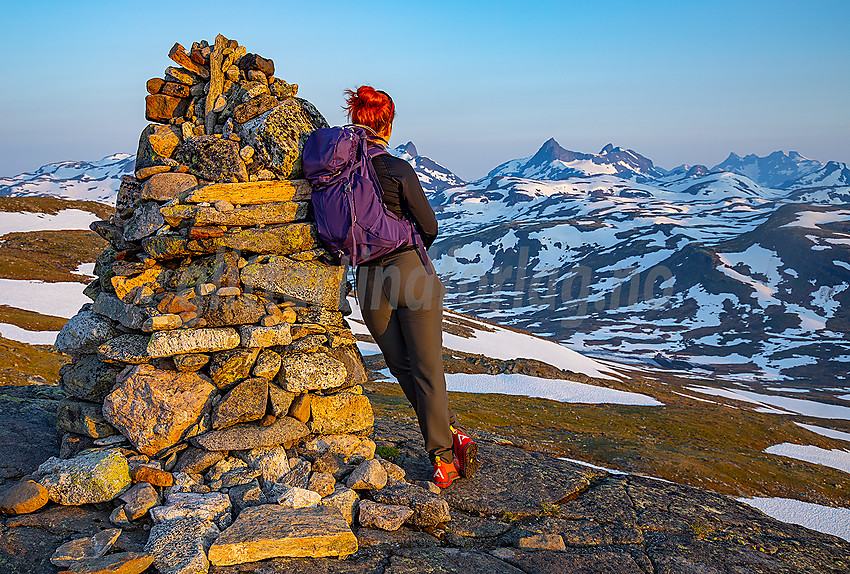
(466, 453)
(445, 473)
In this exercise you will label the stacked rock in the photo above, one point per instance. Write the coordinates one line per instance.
(215, 386)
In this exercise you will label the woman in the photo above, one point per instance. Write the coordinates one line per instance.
(402, 301)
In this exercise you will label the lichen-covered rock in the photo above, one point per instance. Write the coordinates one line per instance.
(84, 333)
(278, 135)
(239, 310)
(264, 337)
(81, 417)
(167, 186)
(340, 412)
(322, 483)
(284, 430)
(89, 378)
(295, 497)
(146, 221)
(368, 475)
(428, 509)
(179, 546)
(270, 531)
(267, 365)
(228, 367)
(128, 348)
(111, 306)
(213, 506)
(305, 281)
(382, 516)
(246, 402)
(212, 159)
(345, 500)
(272, 462)
(154, 408)
(310, 372)
(167, 343)
(87, 478)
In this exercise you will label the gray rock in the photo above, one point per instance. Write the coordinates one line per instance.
(167, 343)
(130, 349)
(183, 482)
(284, 430)
(345, 500)
(87, 478)
(109, 305)
(310, 372)
(146, 221)
(81, 417)
(140, 498)
(84, 333)
(89, 378)
(272, 462)
(428, 509)
(213, 507)
(295, 497)
(235, 477)
(382, 516)
(306, 281)
(81, 548)
(167, 186)
(243, 496)
(180, 546)
(298, 476)
(368, 475)
(393, 470)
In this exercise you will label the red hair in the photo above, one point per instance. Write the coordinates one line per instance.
(369, 107)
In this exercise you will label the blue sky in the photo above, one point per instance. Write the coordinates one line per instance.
(475, 83)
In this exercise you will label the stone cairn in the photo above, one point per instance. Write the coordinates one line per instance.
(214, 394)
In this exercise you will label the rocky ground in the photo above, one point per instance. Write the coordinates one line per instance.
(524, 511)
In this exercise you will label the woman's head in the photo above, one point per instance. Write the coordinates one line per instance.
(370, 107)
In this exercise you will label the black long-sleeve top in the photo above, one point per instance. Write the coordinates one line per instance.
(403, 194)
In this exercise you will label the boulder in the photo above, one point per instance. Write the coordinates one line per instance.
(341, 412)
(87, 478)
(179, 546)
(84, 333)
(310, 372)
(270, 531)
(212, 159)
(154, 408)
(89, 378)
(382, 516)
(244, 403)
(305, 281)
(167, 343)
(278, 135)
(284, 430)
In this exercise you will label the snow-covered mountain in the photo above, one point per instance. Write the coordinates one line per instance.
(552, 162)
(774, 170)
(78, 180)
(433, 176)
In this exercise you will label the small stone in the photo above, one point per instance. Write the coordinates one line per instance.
(179, 546)
(285, 430)
(428, 509)
(23, 498)
(213, 507)
(205, 289)
(164, 139)
(140, 498)
(256, 336)
(220, 103)
(168, 343)
(237, 308)
(298, 498)
(118, 517)
(300, 408)
(223, 466)
(267, 365)
(131, 349)
(393, 470)
(162, 323)
(152, 475)
(146, 221)
(270, 531)
(345, 500)
(352, 449)
(309, 372)
(228, 291)
(118, 563)
(254, 107)
(211, 158)
(382, 516)
(190, 363)
(238, 476)
(147, 172)
(87, 478)
(181, 75)
(244, 403)
(542, 542)
(243, 496)
(368, 475)
(341, 412)
(267, 420)
(161, 108)
(429, 486)
(183, 482)
(322, 482)
(298, 476)
(223, 206)
(270, 320)
(246, 153)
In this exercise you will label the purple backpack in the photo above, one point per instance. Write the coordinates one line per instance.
(352, 220)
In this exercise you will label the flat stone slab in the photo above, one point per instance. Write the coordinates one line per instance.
(518, 481)
(250, 435)
(271, 531)
(168, 343)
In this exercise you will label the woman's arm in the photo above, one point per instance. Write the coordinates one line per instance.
(413, 197)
